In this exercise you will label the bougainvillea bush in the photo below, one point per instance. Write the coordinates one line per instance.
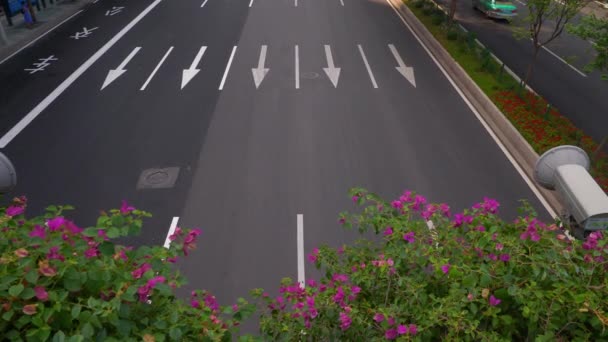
(470, 277)
(61, 282)
(545, 129)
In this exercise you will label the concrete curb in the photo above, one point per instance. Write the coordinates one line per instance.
(39, 30)
(513, 141)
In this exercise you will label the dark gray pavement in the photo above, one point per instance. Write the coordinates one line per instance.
(250, 159)
(581, 98)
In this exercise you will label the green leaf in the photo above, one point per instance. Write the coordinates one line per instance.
(32, 277)
(44, 333)
(87, 330)
(485, 280)
(113, 232)
(175, 333)
(470, 281)
(164, 289)
(8, 315)
(90, 232)
(118, 221)
(76, 311)
(106, 248)
(59, 337)
(76, 338)
(27, 293)
(72, 285)
(15, 290)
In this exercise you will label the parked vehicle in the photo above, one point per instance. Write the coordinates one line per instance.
(498, 9)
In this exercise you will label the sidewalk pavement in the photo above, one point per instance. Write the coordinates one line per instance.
(19, 36)
(597, 8)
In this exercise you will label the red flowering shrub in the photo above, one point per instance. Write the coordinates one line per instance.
(546, 130)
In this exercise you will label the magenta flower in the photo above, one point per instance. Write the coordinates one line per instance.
(355, 199)
(339, 296)
(406, 197)
(402, 329)
(494, 301)
(355, 290)
(345, 321)
(56, 223)
(413, 329)
(505, 257)
(397, 204)
(125, 208)
(121, 255)
(492, 256)
(460, 219)
(194, 303)
(156, 280)
(102, 234)
(53, 254)
(445, 209)
(419, 201)
(172, 260)
(378, 317)
(342, 220)
(499, 246)
(143, 292)
(29, 309)
(409, 237)
(312, 283)
(45, 269)
(390, 334)
(91, 252)
(137, 273)
(14, 210)
(41, 293)
(445, 268)
(391, 321)
(21, 253)
(340, 278)
(73, 228)
(388, 231)
(312, 257)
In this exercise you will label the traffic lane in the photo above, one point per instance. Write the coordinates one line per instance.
(96, 143)
(23, 90)
(280, 151)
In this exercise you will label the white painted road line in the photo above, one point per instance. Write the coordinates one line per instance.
(332, 72)
(116, 73)
(41, 36)
(296, 3)
(188, 74)
(369, 70)
(171, 231)
(261, 71)
(405, 71)
(227, 68)
(143, 87)
(342, 2)
(297, 68)
(251, 3)
(563, 61)
(10, 135)
(204, 2)
(300, 241)
(481, 120)
(521, 2)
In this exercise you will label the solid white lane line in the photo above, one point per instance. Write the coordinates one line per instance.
(297, 68)
(342, 2)
(8, 137)
(42, 35)
(300, 241)
(143, 87)
(250, 3)
(227, 68)
(521, 2)
(483, 122)
(203, 5)
(296, 2)
(369, 70)
(563, 61)
(171, 231)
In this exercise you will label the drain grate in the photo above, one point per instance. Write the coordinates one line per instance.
(158, 178)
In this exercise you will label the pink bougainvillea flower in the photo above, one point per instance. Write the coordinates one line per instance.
(340, 278)
(492, 256)
(56, 223)
(172, 260)
(402, 329)
(355, 290)
(342, 220)
(311, 283)
(41, 293)
(14, 210)
(391, 321)
(397, 204)
(45, 269)
(38, 231)
(499, 246)
(176, 234)
(494, 301)
(21, 253)
(419, 201)
(190, 239)
(72, 227)
(445, 268)
(125, 208)
(413, 329)
(505, 257)
(156, 280)
(312, 257)
(460, 219)
(195, 304)
(445, 209)
(345, 321)
(53, 254)
(406, 197)
(339, 296)
(355, 199)
(121, 255)
(143, 292)
(91, 252)
(390, 334)
(388, 231)
(409, 237)
(138, 272)
(30, 309)
(378, 317)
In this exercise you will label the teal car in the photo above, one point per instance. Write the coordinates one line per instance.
(496, 8)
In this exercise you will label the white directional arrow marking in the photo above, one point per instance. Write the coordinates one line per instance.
(260, 72)
(116, 73)
(332, 72)
(188, 74)
(407, 72)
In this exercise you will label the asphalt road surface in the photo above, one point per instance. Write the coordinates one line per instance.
(559, 74)
(249, 159)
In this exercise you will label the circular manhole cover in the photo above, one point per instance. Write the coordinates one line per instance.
(157, 177)
(310, 75)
